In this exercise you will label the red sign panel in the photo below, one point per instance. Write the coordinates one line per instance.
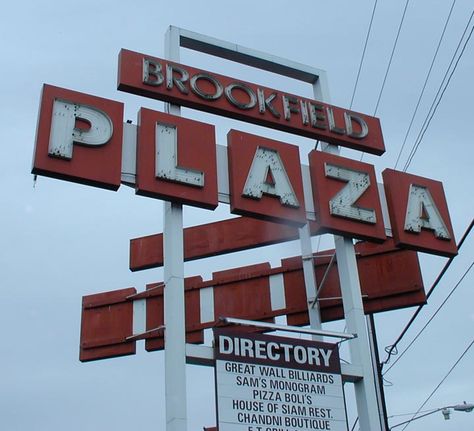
(187, 86)
(155, 314)
(419, 213)
(79, 138)
(213, 239)
(107, 321)
(176, 159)
(265, 179)
(256, 292)
(346, 198)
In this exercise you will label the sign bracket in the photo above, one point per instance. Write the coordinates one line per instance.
(287, 328)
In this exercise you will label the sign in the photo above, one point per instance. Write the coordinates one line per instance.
(176, 159)
(263, 383)
(213, 239)
(80, 137)
(274, 383)
(419, 213)
(346, 197)
(199, 89)
(265, 179)
(112, 321)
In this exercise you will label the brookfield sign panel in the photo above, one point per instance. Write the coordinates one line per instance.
(187, 86)
(277, 384)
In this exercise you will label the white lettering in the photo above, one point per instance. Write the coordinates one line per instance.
(422, 212)
(271, 347)
(268, 175)
(342, 204)
(166, 164)
(73, 123)
(152, 73)
(326, 354)
(226, 345)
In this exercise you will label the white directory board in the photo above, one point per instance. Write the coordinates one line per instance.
(269, 383)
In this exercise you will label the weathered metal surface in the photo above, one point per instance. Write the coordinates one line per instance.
(398, 188)
(213, 239)
(168, 163)
(247, 293)
(107, 321)
(338, 209)
(265, 179)
(187, 86)
(89, 163)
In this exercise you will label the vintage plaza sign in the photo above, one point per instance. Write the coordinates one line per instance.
(82, 138)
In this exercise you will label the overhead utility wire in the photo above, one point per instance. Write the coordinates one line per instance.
(357, 78)
(392, 349)
(363, 53)
(391, 56)
(425, 83)
(389, 63)
(441, 91)
(441, 382)
(431, 318)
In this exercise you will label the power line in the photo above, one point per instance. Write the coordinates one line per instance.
(431, 318)
(441, 91)
(389, 64)
(425, 83)
(357, 78)
(391, 56)
(393, 348)
(363, 53)
(441, 382)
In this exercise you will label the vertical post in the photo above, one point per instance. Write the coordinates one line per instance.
(320, 93)
(174, 311)
(377, 372)
(366, 398)
(310, 278)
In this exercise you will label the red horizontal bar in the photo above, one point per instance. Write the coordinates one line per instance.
(214, 239)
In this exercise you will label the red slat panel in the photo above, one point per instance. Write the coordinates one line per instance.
(107, 319)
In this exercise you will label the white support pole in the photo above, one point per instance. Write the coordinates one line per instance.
(366, 397)
(320, 91)
(310, 279)
(173, 246)
(174, 310)
(377, 374)
(365, 390)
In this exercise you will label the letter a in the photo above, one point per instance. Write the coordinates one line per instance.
(422, 212)
(268, 175)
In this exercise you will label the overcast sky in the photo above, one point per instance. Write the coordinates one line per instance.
(61, 240)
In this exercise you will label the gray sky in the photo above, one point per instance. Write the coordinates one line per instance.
(62, 240)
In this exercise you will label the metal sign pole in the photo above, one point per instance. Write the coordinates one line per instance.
(350, 287)
(377, 372)
(310, 279)
(174, 310)
(366, 397)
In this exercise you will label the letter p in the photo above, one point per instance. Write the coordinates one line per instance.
(79, 138)
(65, 130)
